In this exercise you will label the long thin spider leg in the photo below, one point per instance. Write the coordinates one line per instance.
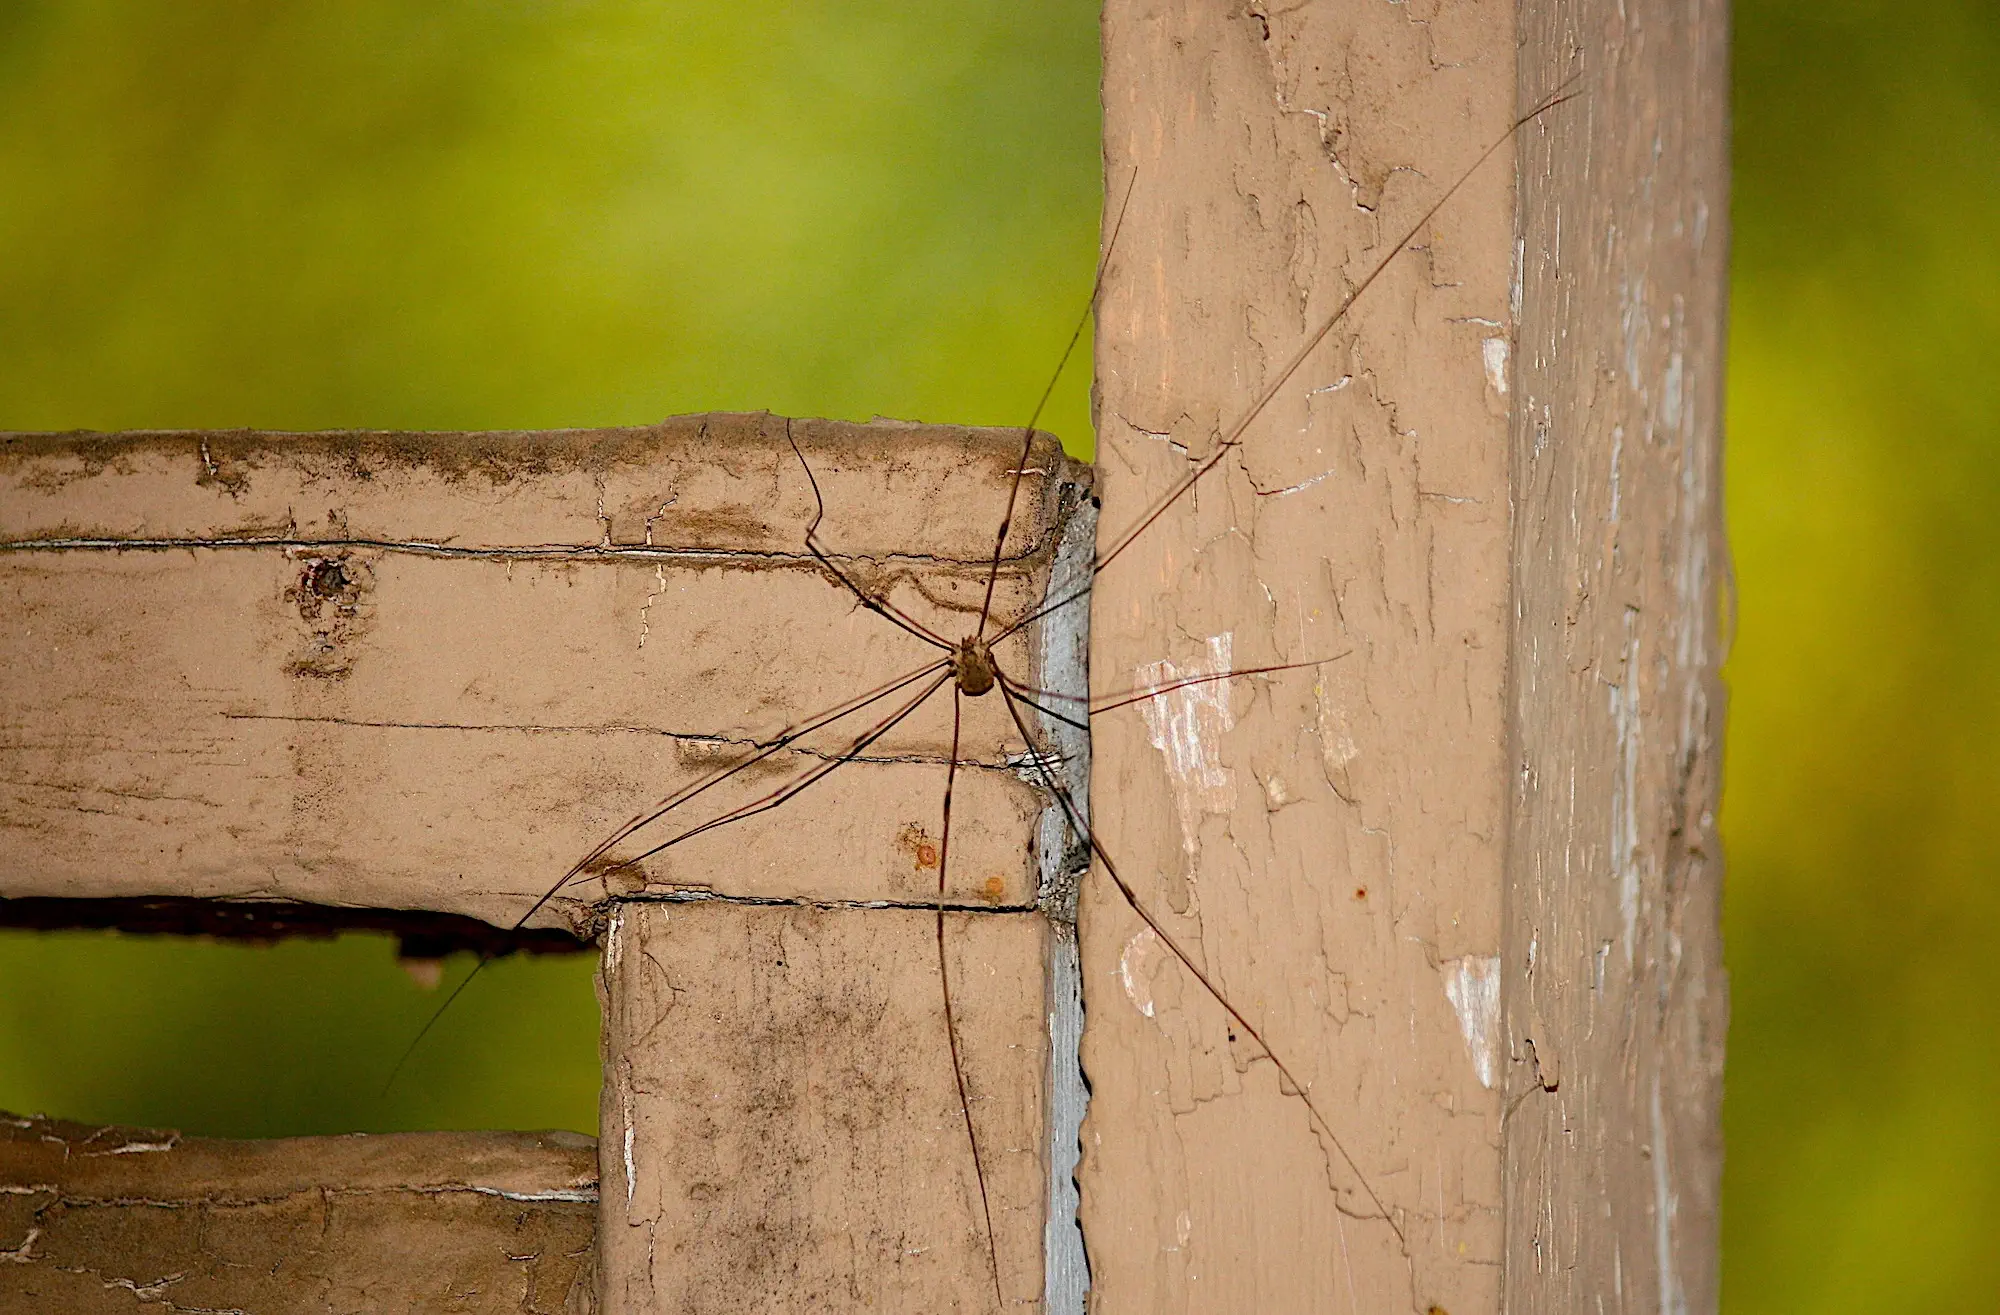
(766, 803)
(790, 736)
(951, 1021)
(1126, 698)
(880, 606)
(1234, 434)
(680, 797)
(1187, 961)
(1046, 609)
(1053, 695)
(1028, 430)
(1017, 692)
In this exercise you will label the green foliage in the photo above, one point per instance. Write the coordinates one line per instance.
(1863, 787)
(527, 215)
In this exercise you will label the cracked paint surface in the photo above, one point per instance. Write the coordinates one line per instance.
(1187, 725)
(1359, 523)
(475, 1223)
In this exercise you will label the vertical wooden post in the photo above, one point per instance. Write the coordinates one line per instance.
(1331, 840)
(1614, 982)
(1351, 851)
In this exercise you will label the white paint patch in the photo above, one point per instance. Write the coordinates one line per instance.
(577, 1194)
(1520, 276)
(1472, 985)
(138, 1148)
(1494, 352)
(614, 943)
(1299, 487)
(1617, 466)
(1186, 724)
(1134, 969)
(625, 1103)
(1666, 1204)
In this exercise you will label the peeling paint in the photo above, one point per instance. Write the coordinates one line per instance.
(581, 1195)
(1336, 741)
(1299, 487)
(1186, 725)
(1493, 351)
(138, 1148)
(1666, 1205)
(24, 1253)
(1133, 969)
(1064, 662)
(1472, 984)
(1520, 272)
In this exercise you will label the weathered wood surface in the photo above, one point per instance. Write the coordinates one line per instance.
(105, 1221)
(1361, 856)
(1330, 842)
(1613, 952)
(431, 671)
(781, 1083)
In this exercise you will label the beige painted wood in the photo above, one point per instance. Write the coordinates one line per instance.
(1329, 843)
(1363, 857)
(104, 1221)
(431, 671)
(780, 1083)
(1614, 985)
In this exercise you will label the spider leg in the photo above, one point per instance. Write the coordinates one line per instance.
(1250, 1029)
(951, 1022)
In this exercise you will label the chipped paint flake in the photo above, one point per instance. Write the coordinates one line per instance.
(1134, 969)
(1666, 1206)
(1336, 741)
(23, 1254)
(1186, 725)
(1472, 984)
(631, 1171)
(138, 1148)
(1493, 351)
(586, 1195)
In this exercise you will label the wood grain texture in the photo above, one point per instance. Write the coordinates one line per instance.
(1616, 998)
(1329, 844)
(431, 671)
(781, 1126)
(103, 1221)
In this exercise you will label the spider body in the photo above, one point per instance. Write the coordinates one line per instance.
(972, 666)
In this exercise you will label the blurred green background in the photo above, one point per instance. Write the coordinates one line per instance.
(436, 215)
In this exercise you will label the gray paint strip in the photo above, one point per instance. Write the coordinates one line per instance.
(1065, 669)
